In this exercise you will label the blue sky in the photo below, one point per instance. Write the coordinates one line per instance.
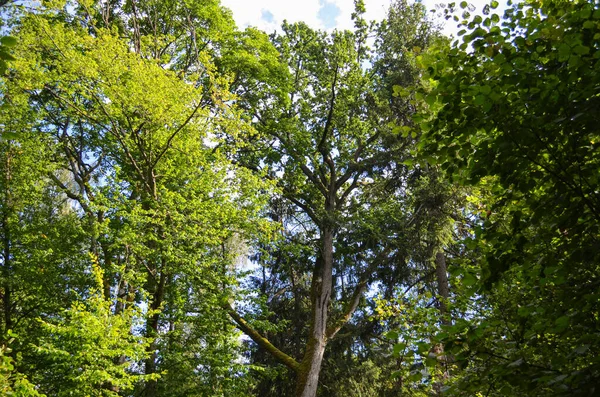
(323, 14)
(328, 14)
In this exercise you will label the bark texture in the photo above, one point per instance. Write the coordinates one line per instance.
(308, 374)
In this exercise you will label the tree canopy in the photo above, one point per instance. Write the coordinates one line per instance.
(192, 209)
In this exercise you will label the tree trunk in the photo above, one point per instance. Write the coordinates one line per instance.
(308, 374)
(152, 332)
(443, 293)
(6, 274)
(6, 240)
(442, 282)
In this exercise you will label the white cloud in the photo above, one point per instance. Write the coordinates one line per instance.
(376, 10)
(250, 12)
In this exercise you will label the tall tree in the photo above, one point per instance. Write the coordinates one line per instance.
(328, 141)
(133, 146)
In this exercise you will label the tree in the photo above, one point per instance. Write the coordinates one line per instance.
(518, 115)
(42, 269)
(328, 143)
(131, 147)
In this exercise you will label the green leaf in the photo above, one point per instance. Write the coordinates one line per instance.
(399, 348)
(8, 41)
(581, 50)
(469, 280)
(564, 51)
(416, 376)
(423, 347)
(480, 100)
(5, 56)
(589, 25)
(561, 323)
(485, 90)
(431, 361)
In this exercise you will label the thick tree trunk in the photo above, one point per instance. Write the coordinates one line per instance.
(308, 374)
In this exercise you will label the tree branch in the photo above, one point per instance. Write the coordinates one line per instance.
(346, 192)
(352, 304)
(354, 164)
(311, 214)
(311, 176)
(260, 340)
(170, 140)
(349, 310)
(329, 121)
(70, 194)
(328, 125)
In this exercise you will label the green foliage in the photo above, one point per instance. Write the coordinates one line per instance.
(89, 350)
(13, 383)
(515, 108)
(326, 118)
(167, 145)
(6, 43)
(413, 321)
(132, 167)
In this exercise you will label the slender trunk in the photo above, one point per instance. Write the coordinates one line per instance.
(443, 293)
(6, 275)
(308, 374)
(7, 304)
(152, 332)
(122, 301)
(297, 308)
(108, 265)
(442, 283)
(156, 288)
(120, 307)
(121, 295)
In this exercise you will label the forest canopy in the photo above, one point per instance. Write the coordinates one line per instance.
(189, 208)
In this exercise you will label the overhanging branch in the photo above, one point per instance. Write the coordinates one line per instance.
(260, 340)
